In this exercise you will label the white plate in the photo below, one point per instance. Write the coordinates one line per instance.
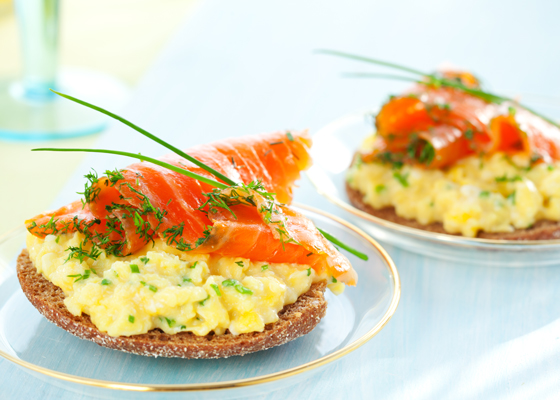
(50, 353)
(333, 148)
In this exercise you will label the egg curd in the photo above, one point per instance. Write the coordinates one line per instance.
(161, 287)
(498, 193)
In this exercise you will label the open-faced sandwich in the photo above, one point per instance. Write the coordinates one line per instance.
(195, 255)
(449, 157)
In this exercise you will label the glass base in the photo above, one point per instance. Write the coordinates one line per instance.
(52, 117)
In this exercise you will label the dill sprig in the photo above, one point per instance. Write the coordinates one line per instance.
(79, 253)
(427, 79)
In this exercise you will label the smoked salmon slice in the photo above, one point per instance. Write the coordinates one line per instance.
(454, 124)
(130, 208)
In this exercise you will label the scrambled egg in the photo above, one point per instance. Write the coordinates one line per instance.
(493, 194)
(161, 287)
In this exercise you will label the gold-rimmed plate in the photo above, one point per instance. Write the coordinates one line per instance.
(51, 354)
(333, 149)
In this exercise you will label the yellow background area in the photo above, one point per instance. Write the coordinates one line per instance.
(118, 37)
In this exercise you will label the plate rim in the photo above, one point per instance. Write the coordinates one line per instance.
(247, 382)
(414, 232)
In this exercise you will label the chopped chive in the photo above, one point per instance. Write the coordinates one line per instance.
(380, 188)
(309, 254)
(264, 267)
(105, 282)
(275, 143)
(203, 301)
(484, 194)
(237, 285)
(170, 322)
(145, 260)
(550, 167)
(511, 197)
(337, 242)
(152, 288)
(504, 178)
(183, 327)
(57, 239)
(131, 319)
(134, 269)
(216, 289)
(194, 265)
(401, 178)
(143, 283)
(334, 280)
(290, 136)
(240, 263)
(187, 280)
(309, 271)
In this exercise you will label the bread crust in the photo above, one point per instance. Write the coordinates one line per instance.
(541, 230)
(295, 320)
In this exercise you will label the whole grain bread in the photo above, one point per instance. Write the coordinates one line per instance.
(295, 320)
(541, 230)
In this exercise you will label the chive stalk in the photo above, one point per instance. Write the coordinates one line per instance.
(174, 149)
(337, 242)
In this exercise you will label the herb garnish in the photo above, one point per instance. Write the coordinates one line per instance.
(105, 282)
(504, 178)
(337, 242)
(430, 80)
(145, 260)
(237, 285)
(143, 228)
(81, 277)
(264, 267)
(401, 178)
(131, 319)
(81, 254)
(203, 301)
(380, 188)
(134, 269)
(484, 194)
(216, 289)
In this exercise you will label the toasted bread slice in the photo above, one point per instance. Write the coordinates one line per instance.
(541, 230)
(295, 320)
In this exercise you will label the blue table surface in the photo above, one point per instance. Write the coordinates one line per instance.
(240, 67)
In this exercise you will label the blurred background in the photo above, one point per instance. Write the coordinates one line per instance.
(120, 38)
